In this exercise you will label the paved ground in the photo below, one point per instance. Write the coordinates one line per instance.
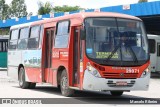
(10, 89)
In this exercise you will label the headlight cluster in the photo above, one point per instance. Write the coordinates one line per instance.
(92, 70)
(145, 73)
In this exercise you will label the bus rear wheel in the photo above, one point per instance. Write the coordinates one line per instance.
(116, 93)
(22, 83)
(64, 85)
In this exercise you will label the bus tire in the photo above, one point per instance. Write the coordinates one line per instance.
(64, 85)
(32, 85)
(22, 83)
(116, 93)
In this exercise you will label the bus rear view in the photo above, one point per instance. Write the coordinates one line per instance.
(117, 55)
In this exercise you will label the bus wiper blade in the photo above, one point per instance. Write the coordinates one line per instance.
(113, 52)
(133, 54)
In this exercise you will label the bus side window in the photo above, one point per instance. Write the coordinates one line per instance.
(13, 39)
(158, 49)
(33, 41)
(41, 36)
(62, 34)
(4, 47)
(152, 45)
(7, 46)
(0, 46)
(22, 42)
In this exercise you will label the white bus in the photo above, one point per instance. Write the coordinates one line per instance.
(154, 45)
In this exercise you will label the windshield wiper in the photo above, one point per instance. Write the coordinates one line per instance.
(133, 54)
(113, 52)
(117, 47)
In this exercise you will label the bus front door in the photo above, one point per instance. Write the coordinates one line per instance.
(76, 57)
(48, 74)
(158, 58)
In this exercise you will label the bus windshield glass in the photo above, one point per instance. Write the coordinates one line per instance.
(116, 41)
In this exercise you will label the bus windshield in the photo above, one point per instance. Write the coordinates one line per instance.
(116, 41)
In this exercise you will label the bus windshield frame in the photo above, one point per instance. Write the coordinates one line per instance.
(116, 31)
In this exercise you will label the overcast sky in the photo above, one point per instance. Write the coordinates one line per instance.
(32, 5)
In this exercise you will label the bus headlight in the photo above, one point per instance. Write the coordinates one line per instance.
(93, 71)
(145, 73)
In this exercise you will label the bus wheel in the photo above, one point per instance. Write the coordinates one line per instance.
(32, 85)
(65, 90)
(116, 93)
(22, 83)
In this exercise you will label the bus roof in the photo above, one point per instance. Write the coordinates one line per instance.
(88, 14)
(78, 15)
(4, 37)
(21, 25)
(151, 36)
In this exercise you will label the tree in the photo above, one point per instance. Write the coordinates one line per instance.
(3, 10)
(44, 8)
(141, 1)
(48, 8)
(18, 9)
(66, 8)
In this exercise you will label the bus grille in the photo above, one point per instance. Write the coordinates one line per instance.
(119, 75)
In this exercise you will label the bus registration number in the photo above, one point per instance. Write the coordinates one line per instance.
(121, 83)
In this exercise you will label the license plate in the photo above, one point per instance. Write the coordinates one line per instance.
(121, 83)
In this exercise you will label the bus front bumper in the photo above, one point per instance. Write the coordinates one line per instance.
(93, 83)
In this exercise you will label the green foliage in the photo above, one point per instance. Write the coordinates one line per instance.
(3, 10)
(4, 31)
(48, 8)
(141, 1)
(18, 9)
(66, 8)
(44, 8)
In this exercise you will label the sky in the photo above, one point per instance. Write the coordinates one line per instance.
(32, 5)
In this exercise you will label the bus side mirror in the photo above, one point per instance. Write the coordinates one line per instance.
(82, 34)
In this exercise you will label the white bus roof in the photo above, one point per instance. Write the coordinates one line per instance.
(4, 37)
(151, 36)
(21, 25)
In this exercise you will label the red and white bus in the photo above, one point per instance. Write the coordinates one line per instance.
(97, 51)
